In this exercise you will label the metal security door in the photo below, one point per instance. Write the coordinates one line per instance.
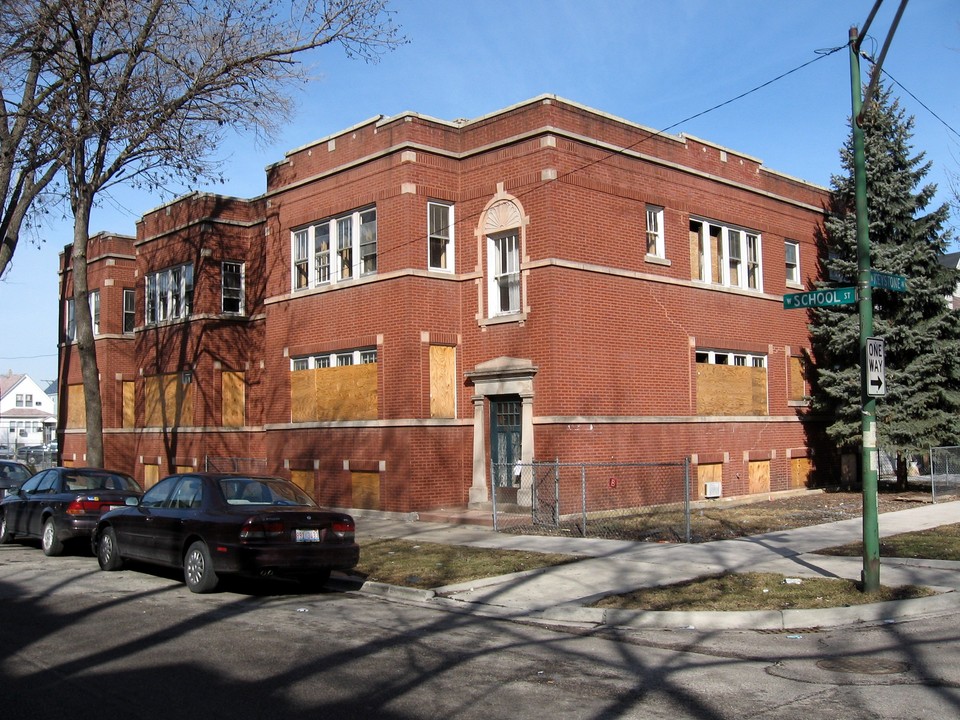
(505, 446)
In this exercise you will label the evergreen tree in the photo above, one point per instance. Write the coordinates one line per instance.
(921, 333)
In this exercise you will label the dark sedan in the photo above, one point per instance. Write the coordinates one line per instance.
(13, 474)
(61, 504)
(211, 524)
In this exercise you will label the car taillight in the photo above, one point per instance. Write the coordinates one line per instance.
(261, 529)
(84, 505)
(343, 529)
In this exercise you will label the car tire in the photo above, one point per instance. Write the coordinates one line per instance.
(50, 539)
(198, 570)
(315, 582)
(5, 534)
(108, 552)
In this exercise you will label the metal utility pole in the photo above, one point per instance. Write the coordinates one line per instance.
(868, 416)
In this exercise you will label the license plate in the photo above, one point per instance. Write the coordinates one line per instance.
(307, 535)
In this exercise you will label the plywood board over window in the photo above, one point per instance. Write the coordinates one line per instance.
(798, 383)
(168, 401)
(151, 474)
(232, 399)
(801, 469)
(76, 409)
(303, 479)
(708, 473)
(758, 473)
(443, 379)
(129, 404)
(334, 393)
(731, 390)
(366, 490)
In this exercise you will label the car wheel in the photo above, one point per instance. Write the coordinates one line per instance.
(5, 534)
(198, 569)
(50, 540)
(315, 582)
(107, 551)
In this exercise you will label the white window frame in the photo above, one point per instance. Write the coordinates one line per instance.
(129, 310)
(741, 256)
(731, 357)
(169, 294)
(791, 265)
(334, 250)
(503, 258)
(655, 243)
(440, 237)
(234, 293)
(71, 329)
(341, 358)
(94, 299)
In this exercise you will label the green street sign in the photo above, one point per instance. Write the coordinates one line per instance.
(887, 281)
(820, 298)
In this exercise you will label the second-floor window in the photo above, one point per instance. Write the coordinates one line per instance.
(169, 294)
(335, 250)
(726, 256)
(440, 236)
(129, 310)
(94, 297)
(504, 258)
(232, 288)
(791, 253)
(655, 231)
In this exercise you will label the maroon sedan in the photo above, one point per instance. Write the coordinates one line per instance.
(62, 504)
(211, 524)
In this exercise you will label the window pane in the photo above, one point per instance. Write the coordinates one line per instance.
(129, 311)
(507, 273)
(439, 234)
(321, 239)
(368, 242)
(345, 247)
(232, 279)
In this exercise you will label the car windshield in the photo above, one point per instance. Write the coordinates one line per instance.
(93, 480)
(13, 471)
(263, 491)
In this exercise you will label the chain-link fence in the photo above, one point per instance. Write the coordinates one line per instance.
(945, 472)
(236, 466)
(636, 501)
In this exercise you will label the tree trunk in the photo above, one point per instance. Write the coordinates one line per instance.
(86, 347)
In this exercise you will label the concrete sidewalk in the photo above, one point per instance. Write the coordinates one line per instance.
(560, 594)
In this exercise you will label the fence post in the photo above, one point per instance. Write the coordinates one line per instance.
(583, 499)
(556, 492)
(493, 496)
(686, 498)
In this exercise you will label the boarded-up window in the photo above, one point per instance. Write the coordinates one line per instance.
(303, 479)
(76, 409)
(151, 474)
(731, 390)
(758, 473)
(168, 401)
(232, 399)
(798, 383)
(443, 380)
(184, 468)
(129, 405)
(800, 470)
(696, 251)
(334, 393)
(708, 473)
(366, 490)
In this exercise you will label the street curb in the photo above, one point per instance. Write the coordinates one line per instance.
(757, 620)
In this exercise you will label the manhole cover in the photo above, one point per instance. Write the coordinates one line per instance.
(863, 666)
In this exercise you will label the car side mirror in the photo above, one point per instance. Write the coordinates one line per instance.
(131, 500)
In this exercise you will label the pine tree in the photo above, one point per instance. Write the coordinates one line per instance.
(921, 332)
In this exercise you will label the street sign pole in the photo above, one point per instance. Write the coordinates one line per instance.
(868, 414)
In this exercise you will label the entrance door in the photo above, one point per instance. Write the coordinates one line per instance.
(505, 413)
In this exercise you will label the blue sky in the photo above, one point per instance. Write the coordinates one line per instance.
(652, 62)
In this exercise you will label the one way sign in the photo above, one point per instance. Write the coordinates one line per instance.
(876, 386)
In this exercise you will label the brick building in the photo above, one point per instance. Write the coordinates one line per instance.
(415, 305)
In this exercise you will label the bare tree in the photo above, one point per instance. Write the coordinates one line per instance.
(29, 156)
(153, 85)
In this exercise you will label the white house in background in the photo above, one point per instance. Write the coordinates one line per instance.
(27, 414)
(952, 261)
